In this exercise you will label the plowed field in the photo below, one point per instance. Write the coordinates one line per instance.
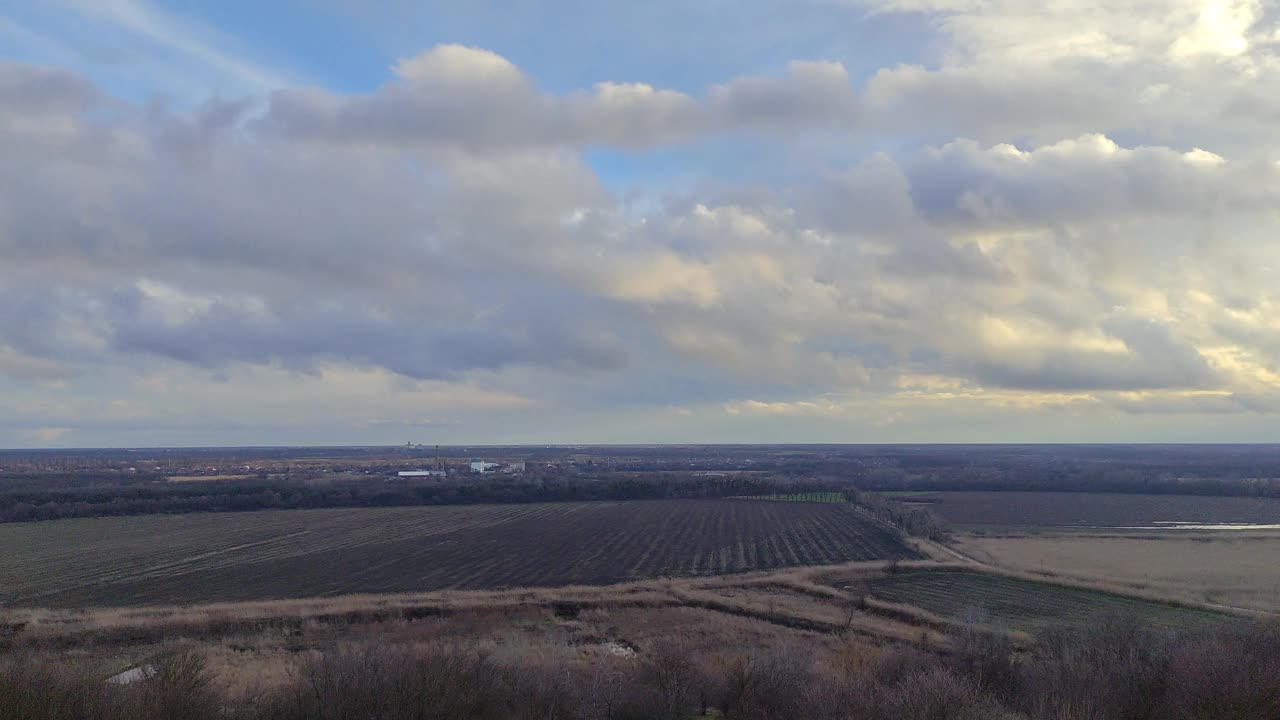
(964, 510)
(302, 553)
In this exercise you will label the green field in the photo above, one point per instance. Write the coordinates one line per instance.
(162, 559)
(1024, 604)
(814, 497)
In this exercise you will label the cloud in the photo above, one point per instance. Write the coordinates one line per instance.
(810, 94)
(1085, 178)
(459, 96)
(34, 369)
(1196, 403)
(48, 435)
(1150, 359)
(784, 409)
(444, 263)
(1221, 29)
(1059, 69)
(446, 250)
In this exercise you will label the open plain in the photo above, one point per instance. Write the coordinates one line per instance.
(1225, 567)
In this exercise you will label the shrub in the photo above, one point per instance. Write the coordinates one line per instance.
(940, 695)
(771, 686)
(44, 691)
(1232, 676)
(179, 689)
(668, 683)
(986, 658)
(1109, 669)
(437, 681)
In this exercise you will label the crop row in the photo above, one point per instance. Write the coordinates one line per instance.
(243, 556)
(1023, 604)
(822, 497)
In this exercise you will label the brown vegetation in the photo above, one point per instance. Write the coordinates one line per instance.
(1113, 669)
(849, 601)
(1233, 568)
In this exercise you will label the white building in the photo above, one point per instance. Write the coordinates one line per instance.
(480, 466)
(420, 473)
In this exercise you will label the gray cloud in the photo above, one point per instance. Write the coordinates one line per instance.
(445, 228)
(33, 92)
(1153, 359)
(1081, 179)
(454, 96)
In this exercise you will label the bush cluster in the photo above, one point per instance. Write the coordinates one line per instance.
(911, 519)
(1112, 669)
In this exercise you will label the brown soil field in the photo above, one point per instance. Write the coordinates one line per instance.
(1092, 510)
(1236, 568)
(304, 553)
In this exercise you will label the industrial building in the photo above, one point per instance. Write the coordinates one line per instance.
(480, 466)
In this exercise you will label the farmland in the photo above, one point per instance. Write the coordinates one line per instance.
(824, 497)
(1022, 604)
(300, 553)
(1092, 510)
(1237, 568)
(251, 645)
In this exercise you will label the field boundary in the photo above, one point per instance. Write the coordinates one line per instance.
(868, 616)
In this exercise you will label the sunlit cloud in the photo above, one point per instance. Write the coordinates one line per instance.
(1053, 214)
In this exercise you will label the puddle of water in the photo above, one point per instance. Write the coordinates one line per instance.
(617, 648)
(133, 675)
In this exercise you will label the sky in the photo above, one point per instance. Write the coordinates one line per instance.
(482, 221)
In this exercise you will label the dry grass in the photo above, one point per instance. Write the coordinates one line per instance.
(126, 626)
(1235, 569)
(690, 663)
(818, 599)
(249, 647)
(246, 645)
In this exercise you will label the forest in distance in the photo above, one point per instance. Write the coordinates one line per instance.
(47, 485)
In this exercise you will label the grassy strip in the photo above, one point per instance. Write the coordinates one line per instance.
(813, 497)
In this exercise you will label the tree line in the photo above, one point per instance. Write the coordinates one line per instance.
(31, 502)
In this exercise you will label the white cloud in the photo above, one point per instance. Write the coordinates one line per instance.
(1221, 28)
(1070, 211)
(784, 409)
(1067, 67)
(459, 96)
